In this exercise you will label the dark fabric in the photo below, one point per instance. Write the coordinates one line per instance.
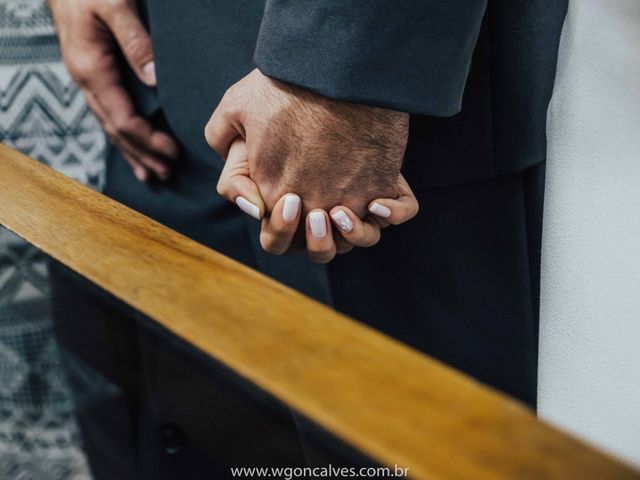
(201, 48)
(501, 128)
(356, 50)
(101, 364)
(457, 282)
(155, 409)
(408, 55)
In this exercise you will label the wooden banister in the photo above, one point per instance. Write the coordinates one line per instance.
(385, 399)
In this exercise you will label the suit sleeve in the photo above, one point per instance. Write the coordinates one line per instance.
(406, 55)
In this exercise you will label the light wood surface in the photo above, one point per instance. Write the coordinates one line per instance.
(389, 401)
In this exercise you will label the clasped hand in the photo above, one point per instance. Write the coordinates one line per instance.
(293, 155)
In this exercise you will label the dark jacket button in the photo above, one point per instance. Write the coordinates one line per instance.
(172, 439)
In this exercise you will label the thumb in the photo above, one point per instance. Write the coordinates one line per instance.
(235, 184)
(133, 39)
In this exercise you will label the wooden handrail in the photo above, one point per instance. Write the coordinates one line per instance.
(385, 399)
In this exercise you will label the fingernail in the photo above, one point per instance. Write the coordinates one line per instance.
(317, 224)
(149, 71)
(342, 220)
(380, 210)
(291, 207)
(140, 173)
(247, 207)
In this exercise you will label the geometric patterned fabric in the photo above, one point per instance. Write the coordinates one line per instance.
(43, 114)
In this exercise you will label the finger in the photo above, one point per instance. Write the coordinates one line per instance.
(116, 105)
(399, 210)
(279, 229)
(360, 233)
(320, 245)
(107, 96)
(133, 39)
(129, 154)
(235, 185)
(164, 144)
(139, 162)
(221, 130)
(156, 149)
(158, 167)
(342, 246)
(382, 222)
(139, 131)
(142, 160)
(139, 170)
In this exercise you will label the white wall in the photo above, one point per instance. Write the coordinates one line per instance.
(589, 378)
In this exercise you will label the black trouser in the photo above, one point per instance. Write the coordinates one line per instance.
(459, 282)
(149, 406)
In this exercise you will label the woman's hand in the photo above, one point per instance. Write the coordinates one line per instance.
(324, 234)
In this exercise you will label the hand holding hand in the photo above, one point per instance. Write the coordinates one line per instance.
(279, 139)
(92, 35)
(281, 230)
(327, 151)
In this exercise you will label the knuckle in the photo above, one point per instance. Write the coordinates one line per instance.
(126, 126)
(270, 243)
(138, 126)
(138, 46)
(415, 209)
(223, 189)
(230, 92)
(266, 241)
(409, 212)
(109, 130)
(80, 68)
(372, 239)
(270, 196)
(324, 257)
(108, 8)
(120, 129)
(118, 4)
(318, 250)
(344, 248)
(210, 134)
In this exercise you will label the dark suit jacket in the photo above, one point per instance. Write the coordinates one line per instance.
(477, 79)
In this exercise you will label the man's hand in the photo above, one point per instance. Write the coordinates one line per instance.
(93, 34)
(328, 152)
(279, 139)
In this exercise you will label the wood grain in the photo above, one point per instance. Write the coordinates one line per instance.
(389, 401)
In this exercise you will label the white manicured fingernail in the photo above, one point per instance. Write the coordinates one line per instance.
(380, 210)
(342, 220)
(140, 173)
(317, 224)
(149, 71)
(247, 207)
(291, 207)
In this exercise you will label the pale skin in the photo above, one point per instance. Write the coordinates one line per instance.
(276, 158)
